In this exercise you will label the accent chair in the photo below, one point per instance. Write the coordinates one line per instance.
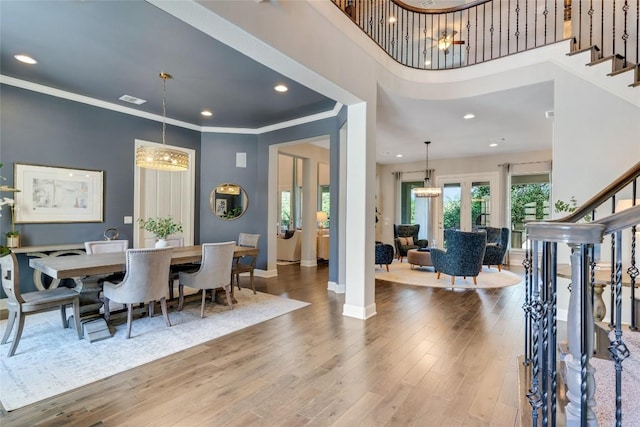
(497, 246)
(406, 237)
(464, 254)
(289, 249)
(214, 273)
(384, 254)
(145, 281)
(19, 305)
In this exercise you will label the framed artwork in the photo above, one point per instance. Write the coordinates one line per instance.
(221, 207)
(57, 194)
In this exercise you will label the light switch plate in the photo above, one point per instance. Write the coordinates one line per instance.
(128, 220)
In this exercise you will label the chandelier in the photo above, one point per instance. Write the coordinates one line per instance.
(427, 190)
(162, 158)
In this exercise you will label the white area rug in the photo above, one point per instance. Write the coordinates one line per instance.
(425, 276)
(51, 360)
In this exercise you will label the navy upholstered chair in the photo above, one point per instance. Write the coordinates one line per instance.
(406, 237)
(497, 245)
(384, 254)
(464, 254)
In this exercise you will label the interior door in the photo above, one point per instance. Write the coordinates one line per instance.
(163, 193)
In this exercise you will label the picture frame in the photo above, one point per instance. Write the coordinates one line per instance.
(221, 207)
(51, 194)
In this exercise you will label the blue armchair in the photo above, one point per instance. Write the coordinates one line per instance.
(497, 245)
(406, 237)
(464, 254)
(384, 254)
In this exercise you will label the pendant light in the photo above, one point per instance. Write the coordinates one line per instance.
(427, 190)
(162, 158)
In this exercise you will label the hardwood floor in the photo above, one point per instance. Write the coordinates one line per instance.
(430, 357)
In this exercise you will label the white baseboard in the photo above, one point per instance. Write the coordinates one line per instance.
(335, 287)
(359, 312)
(266, 273)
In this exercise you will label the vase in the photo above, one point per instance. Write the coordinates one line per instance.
(162, 243)
(13, 241)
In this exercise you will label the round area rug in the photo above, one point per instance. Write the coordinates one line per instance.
(426, 276)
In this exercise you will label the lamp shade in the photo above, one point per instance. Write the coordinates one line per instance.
(623, 204)
(321, 216)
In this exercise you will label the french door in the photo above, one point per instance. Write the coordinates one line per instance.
(466, 203)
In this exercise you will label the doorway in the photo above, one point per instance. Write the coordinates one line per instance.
(466, 203)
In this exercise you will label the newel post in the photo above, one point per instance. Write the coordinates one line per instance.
(580, 381)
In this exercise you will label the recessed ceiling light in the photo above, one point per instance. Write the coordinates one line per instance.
(392, 20)
(26, 59)
(493, 145)
(281, 88)
(206, 113)
(468, 116)
(399, 155)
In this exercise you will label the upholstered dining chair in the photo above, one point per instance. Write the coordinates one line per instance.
(19, 305)
(245, 264)
(145, 281)
(214, 273)
(464, 254)
(104, 246)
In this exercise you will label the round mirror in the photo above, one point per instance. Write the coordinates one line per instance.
(228, 201)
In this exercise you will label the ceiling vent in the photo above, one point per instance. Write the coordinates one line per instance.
(549, 114)
(426, 4)
(132, 99)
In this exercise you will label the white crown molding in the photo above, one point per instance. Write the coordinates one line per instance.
(35, 87)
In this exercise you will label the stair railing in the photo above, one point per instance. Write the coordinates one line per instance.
(541, 277)
(482, 30)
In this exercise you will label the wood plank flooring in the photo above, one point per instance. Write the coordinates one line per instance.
(431, 357)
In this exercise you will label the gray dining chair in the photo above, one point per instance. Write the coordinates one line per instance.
(247, 263)
(105, 246)
(145, 281)
(19, 305)
(214, 273)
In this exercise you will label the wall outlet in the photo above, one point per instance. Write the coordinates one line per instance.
(128, 220)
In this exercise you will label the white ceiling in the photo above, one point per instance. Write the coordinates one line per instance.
(517, 115)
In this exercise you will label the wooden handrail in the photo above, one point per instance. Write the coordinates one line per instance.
(603, 195)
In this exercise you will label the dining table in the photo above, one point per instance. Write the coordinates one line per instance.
(86, 270)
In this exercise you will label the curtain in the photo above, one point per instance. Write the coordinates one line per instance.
(505, 200)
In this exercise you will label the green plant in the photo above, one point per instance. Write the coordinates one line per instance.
(572, 205)
(160, 227)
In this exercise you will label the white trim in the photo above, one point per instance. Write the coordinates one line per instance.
(3, 303)
(335, 287)
(23, 84)
(308, 263)
(265, 273)
(35, 87)
(363, 313)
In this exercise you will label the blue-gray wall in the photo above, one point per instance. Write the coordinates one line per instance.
(45, 130)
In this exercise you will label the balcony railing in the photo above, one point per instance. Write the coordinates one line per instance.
(434, 39)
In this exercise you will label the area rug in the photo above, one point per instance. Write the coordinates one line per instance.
(51, 360)
(425, 276)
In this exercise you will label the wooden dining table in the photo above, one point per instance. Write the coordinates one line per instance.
(85, 270)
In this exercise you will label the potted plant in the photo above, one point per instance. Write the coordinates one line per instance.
(161, 228)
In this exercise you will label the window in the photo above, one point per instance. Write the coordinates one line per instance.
(415, 210)
(530, 201)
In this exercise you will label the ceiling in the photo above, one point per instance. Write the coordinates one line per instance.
(106, 49)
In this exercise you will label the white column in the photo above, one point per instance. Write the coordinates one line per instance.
(360, 217)
(309, 208)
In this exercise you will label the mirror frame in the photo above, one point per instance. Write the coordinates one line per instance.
(214, 200)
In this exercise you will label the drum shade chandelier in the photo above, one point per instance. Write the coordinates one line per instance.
(162, 158)
(427, 190)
